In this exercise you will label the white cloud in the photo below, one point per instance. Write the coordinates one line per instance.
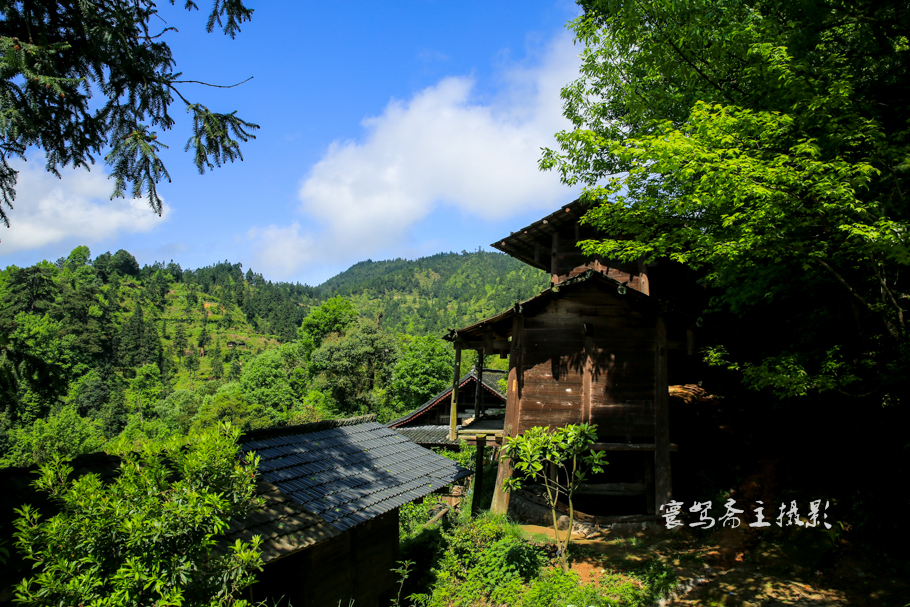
(441, 147)
(75, 208)
(281, 251)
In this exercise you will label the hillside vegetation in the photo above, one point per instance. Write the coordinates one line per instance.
(432, 294)
(100, 353)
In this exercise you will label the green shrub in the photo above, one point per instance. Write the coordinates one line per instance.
(414, 515)
(485, 561)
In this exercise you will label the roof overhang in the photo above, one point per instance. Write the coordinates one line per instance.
(526, 242)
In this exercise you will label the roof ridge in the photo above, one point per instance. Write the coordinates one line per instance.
(326, 424)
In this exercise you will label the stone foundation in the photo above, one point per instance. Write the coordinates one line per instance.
(530, 509)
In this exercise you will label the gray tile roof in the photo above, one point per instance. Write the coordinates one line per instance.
(282, 524)
(348, 471)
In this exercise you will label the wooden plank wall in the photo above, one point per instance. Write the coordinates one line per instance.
(590, 329)
(569, 261)
(355, 565)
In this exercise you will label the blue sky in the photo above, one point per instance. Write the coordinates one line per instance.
(393, 129)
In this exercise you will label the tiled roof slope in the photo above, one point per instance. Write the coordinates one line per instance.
(348, 471)
(283, 525)
(490, 382)
(427, 435)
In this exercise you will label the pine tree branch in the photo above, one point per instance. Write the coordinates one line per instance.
(217, 86)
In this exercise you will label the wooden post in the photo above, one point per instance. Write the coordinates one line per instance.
(453, 419)
(478, 474)
(554, 259)
(662, 484)
(587, 376)
(478, 388)
(500, 503)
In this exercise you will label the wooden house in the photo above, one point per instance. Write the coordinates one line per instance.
(330, 521)
(596, 347)
(428, 425)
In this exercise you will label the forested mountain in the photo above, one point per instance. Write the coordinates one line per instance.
(432, 294)
(101, 351)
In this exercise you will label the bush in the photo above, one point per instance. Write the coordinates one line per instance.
(487, 561)
(414, 515)
(484, 560)
(148, 537)
(64, 434)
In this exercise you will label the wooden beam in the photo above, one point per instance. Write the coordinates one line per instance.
(612, 489)
(478, 475)
(496, 345)
(453, 408)
(629, 447)
(662, 482)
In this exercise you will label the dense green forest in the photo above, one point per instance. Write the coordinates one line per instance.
(432, 294)
(102, 353)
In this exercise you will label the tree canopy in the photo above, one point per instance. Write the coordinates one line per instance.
(764, 143)
(59, 57)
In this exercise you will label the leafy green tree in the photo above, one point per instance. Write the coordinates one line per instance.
(423, 368)
(36, 365)
(145, 389)
(266, 380)
(79, 256)
(102, 265)
(124, 263)
(177, 411)
(147, 538)
(85, 314)
(63, 434)
(556, 460)
(354, 368)
(760, 143)
(60, 58)
(89, 393)
(31, 290)
(333, 316)
(229, 404)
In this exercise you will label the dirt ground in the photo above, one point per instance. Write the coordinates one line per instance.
(731, 568)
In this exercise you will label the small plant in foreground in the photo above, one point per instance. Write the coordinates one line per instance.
(557, 460)
(402, 572)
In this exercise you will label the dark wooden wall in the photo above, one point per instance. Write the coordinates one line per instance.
(568, 261)
(588, 356)
(355, 565)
